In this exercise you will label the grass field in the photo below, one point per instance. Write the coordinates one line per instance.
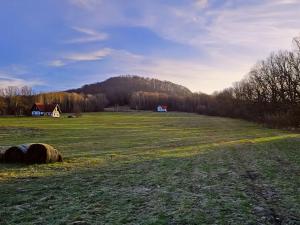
(151, 168)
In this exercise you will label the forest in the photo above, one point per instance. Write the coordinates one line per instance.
(270, 94)
(18, 101)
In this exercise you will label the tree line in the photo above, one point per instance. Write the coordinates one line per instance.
(270, 93)
(19, 101)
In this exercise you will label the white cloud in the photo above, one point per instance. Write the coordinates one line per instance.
(56, 63)
(286, 1)
(125, 56)
(201, 3)
(89, 36)
(88, 56)
(264, 27)
(86, 4)
(7, 80)
(15, 75)
(69, 58)
(245, 24)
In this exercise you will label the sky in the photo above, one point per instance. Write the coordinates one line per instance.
(205, 45)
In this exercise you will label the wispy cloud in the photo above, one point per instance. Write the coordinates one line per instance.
(89, 36)
(235, 23)
(7, 80)
(263, 26)
(79, 57)
(56, 63)
(87, 4)
(201, 3)
(88, 56)
(286, 2)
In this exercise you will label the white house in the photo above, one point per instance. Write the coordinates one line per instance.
(162, 108)
(45, 110)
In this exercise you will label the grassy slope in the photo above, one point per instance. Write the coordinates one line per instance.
(149, 168)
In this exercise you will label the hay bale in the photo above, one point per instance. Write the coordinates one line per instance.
(15, 154)
(42, 153)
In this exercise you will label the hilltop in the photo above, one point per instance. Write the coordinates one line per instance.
(118, 90)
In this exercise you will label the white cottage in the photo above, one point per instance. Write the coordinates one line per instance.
(45, 110)
(162, 108)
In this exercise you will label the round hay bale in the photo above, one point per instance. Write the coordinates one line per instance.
(42, 153)
(15, 154)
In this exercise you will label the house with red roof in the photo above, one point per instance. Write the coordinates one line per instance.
(162, 108)
(39, 109)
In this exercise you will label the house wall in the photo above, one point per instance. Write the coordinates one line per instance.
(160, 109)
(36, 113)
(55, 113)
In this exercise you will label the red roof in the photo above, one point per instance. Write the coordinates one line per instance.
(163, 106)
(45, 107)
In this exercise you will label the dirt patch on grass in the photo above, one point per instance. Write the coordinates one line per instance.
(251, 175)
(261, 181)
(266, 200)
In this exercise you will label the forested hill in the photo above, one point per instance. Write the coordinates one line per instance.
(119, 90)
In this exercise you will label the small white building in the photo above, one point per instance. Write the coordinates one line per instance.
(45, 110)
(162, 108)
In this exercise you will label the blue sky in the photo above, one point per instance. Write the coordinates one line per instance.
(205, 45)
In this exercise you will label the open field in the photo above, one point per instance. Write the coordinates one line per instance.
(150, 168)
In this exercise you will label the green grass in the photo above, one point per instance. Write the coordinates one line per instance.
(151, 168)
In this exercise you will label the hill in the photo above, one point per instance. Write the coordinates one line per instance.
(118, 90)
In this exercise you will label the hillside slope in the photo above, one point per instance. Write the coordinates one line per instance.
(119, 89)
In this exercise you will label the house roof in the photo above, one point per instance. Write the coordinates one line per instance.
(46, 107)
(163, 106)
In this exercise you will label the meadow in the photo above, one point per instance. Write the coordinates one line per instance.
(151, 168)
